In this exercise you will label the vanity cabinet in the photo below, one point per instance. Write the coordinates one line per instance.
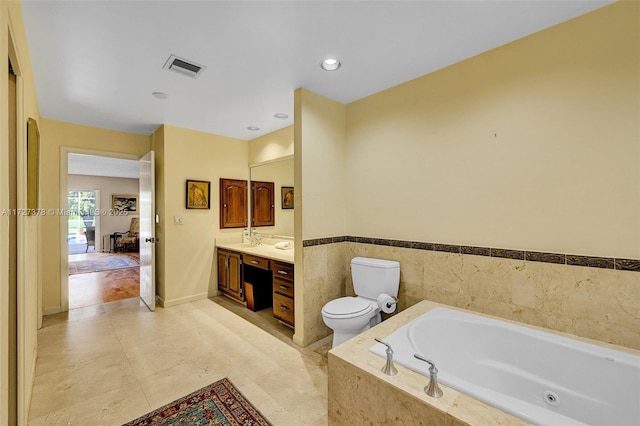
(283, 291)
(261, 283)
(233, 203)
(230, 274)
(257, 281)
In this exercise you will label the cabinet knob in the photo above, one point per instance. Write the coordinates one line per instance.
(282, 272)
(284, 307)
(284, 287)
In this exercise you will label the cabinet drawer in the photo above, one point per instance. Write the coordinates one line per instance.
(258, 262)
(282, 270)
(283, 308)
(282, 286)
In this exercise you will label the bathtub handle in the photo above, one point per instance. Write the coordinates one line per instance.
(432, 388)
(388, 367)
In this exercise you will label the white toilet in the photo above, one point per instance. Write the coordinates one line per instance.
(350, 316)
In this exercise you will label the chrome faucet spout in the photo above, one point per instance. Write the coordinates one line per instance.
(388, 367)
(432, 389)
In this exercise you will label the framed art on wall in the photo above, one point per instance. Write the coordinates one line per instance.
(33, 162)
(287, 197)
(198, 194)
(125, 203)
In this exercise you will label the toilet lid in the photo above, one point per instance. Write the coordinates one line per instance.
(347, 306)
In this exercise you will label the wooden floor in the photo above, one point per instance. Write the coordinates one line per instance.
(95, 288)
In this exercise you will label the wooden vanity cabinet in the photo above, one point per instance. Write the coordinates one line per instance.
(283, 292)
(263, 204)
(233, 203)
(230, 274)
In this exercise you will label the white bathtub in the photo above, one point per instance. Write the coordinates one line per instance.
(543, 378)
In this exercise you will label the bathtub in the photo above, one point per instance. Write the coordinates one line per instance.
(543, 378)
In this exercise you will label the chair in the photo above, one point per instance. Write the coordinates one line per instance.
(90, 235)
(128, 241)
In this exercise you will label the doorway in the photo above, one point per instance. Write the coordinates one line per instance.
(93, 272)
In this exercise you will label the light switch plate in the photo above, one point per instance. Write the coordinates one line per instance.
(178, 220)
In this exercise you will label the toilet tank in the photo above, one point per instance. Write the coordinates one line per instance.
(372, 277)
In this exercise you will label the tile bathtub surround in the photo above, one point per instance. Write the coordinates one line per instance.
(359, 393)
(537, 289)
(108, 364)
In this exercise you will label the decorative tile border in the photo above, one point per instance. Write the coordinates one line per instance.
(533, 256)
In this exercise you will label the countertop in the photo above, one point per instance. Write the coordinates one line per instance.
(265, 250)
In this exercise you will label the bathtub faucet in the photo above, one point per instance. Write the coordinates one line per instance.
(432, 388)
(388, 368)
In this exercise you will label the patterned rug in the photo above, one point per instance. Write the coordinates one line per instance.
(103, 263)
(217, 404)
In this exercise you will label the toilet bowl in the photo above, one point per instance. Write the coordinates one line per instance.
(350, 316)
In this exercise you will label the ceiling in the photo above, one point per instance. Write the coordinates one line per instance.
(97, 63)
(92, 165)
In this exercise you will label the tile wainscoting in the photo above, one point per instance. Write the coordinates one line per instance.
(593, 297)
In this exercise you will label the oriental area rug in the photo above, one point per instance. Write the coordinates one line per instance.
(99, 262)
(217, 404)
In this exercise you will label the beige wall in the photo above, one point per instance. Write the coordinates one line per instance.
(271, 146)
(534, 145)
(189, 249)
(56, 136)
(319, 202)
(108, 186)
(157, 145)
(322, 152)
(13, 44)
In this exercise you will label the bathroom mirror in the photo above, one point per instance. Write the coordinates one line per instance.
(280, 172)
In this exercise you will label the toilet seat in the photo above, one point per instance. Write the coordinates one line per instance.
(347, 307)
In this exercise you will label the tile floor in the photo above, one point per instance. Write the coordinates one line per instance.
(108, 364)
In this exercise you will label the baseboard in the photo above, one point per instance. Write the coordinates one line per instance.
(51, 311)
(180, 301)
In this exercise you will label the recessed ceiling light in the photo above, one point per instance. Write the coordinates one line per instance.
(160, 95)
(330, 64)
(281, 116)
(253, 128)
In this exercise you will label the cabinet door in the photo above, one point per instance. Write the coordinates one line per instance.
(235, 276)
(263, 204)
(223, 275)
(233, 203)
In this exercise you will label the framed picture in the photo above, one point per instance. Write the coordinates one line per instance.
(125, 203)
(33, 162)
(287, 197)
(198, 193)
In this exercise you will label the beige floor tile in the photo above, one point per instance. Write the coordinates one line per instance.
(115, 407)
(108, 364)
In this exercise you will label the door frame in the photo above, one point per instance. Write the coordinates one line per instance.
(64, 224)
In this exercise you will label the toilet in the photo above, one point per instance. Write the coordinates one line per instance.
(350, 316)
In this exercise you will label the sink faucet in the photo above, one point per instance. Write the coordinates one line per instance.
(255, 239)
(432, 388)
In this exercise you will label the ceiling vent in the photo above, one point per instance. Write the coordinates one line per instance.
(183, 66)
